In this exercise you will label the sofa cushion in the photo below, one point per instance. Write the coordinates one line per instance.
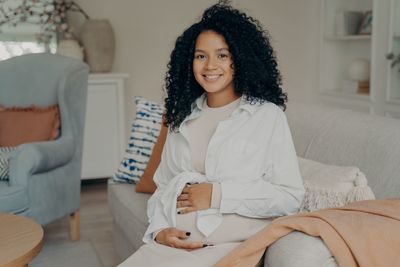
(13, 199)
(329, 186)
(128, 209)
(32, 124)
(144, 133)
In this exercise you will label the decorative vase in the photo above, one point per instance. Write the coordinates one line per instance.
(70, 48)
(359, 70)
(97, 37)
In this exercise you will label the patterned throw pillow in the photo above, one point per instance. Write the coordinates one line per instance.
(330, 186)
(5, 154)
(144, 133)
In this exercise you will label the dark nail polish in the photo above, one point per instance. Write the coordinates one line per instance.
(188, 233)
(179, 212)
(205, 245)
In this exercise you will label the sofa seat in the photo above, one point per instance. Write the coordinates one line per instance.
(13, 199)
(128, 210)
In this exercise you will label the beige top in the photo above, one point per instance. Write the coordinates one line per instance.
(201, 130)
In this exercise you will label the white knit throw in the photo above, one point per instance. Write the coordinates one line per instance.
(329, 186)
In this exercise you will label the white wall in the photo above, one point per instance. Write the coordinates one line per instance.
(146, 30)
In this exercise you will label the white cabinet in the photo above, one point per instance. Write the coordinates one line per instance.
(339, 50)
(104, 138)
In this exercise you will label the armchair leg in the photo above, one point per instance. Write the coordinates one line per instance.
(74, 225)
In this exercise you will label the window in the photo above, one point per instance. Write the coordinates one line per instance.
(21, 39)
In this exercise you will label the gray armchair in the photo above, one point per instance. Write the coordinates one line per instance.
(45, 177)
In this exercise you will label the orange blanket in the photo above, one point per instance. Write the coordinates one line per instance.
(365, 233)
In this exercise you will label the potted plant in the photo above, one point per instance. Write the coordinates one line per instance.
(394, 58)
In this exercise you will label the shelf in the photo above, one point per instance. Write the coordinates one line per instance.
(344, 95)
(393, 101)
(347, 38)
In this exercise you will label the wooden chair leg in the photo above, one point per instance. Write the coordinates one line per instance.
(74, 225)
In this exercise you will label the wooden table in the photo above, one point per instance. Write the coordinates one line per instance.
(21, 239)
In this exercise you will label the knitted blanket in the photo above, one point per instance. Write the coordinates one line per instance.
(364, 233)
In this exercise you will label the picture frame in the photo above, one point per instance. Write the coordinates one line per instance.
(366, 24)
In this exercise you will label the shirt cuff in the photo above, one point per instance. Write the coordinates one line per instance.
(216, 196)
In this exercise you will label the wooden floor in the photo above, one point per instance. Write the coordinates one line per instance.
(96, 223)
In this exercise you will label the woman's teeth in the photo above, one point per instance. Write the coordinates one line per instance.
(212, 77)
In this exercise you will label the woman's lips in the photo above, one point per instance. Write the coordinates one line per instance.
(212, 78)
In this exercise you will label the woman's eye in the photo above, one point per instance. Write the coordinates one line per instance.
(223, 56)
(200, 57)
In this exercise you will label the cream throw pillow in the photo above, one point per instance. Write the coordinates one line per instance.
(329, 186)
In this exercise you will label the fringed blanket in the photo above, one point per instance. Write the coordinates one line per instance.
(365, 234)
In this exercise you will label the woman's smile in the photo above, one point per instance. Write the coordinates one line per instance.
(212, 77)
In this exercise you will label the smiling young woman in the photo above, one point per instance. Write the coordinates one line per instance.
(228, 166)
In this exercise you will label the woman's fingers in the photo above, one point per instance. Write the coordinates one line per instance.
(179, 233)
(178, 243)
(186, 190)
(183, 203)
(183, 196)
(177, 240)
(187, 210)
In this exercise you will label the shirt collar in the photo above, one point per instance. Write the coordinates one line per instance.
(197, 107)
(244, 104)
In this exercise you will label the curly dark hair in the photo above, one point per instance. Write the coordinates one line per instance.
(256, 73)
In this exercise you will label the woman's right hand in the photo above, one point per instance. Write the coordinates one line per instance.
(175, 238)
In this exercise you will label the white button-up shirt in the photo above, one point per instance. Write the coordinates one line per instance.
(251, 155)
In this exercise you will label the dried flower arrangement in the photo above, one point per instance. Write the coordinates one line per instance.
(51, 15)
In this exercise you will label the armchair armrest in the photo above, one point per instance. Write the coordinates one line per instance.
(38, 157)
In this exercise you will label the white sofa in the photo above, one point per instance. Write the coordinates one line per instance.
(331, 136)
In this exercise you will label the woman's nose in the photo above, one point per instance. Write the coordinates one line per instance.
(211, 64)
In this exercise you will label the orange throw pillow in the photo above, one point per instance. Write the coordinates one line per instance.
(32, 124)
(146, 183)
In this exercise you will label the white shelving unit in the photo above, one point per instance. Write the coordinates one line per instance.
(337, 51)
(104, 138)
(348, 38)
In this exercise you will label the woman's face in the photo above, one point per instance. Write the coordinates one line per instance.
(212, 64)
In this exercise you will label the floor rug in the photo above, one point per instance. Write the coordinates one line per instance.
(74, 254)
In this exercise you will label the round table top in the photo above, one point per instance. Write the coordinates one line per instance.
(21, 239)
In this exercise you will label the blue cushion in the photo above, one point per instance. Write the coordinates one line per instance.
(13, 199)
(144, 133)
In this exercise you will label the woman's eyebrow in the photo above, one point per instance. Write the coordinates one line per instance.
(218, 50)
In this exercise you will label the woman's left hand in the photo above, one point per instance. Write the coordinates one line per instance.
(195, 197)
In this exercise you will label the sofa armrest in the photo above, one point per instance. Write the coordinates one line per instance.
(39, 157)
(301, 250)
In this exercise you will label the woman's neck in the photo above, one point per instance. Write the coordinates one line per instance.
(215, 100)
